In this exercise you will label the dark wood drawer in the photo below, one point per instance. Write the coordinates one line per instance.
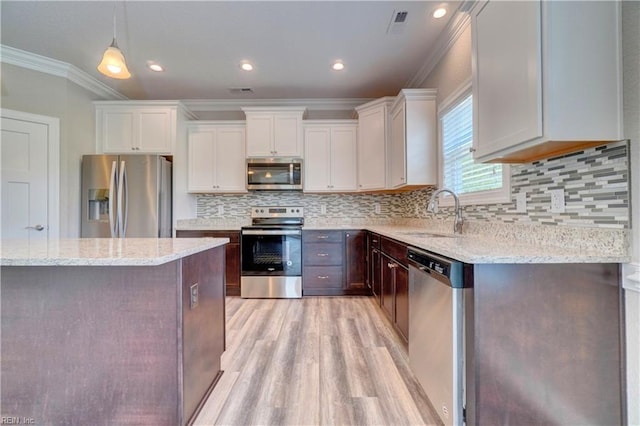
(374, 240)
(234, 236)
(394, 249)
(323, 254)
(322, 277)
(322, 236)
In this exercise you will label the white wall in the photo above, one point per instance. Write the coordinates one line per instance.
(631, 74)
(44, 94)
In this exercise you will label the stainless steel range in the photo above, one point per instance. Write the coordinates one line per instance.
(271, 259)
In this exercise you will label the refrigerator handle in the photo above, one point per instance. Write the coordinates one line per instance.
(112, 183)
(123, 200)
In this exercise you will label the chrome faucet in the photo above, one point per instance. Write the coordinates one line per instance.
(433, 207)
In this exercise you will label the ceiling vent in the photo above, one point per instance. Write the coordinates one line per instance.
(240, 90)
(398, 22)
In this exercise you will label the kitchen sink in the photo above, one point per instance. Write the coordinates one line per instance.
(428, 235)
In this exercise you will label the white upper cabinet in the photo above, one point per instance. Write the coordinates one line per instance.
(137, 127)
(330, 156)
(217, 161)
(372, 144)
(546, 78)
(412, 159)
(274, 132)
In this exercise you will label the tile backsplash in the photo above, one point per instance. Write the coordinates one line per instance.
(595, 181)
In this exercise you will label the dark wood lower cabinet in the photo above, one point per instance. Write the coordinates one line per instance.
(402, 301)
(111, 345)
(389, 278)
(232, 255)
(374, 277)
(334, 263)
(548, 346)
(355, 260)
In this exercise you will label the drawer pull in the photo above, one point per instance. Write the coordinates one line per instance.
(323, 277)
(322, 237)
(323, 254)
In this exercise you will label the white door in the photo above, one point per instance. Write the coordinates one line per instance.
(26, 173)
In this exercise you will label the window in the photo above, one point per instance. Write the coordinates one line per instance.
(475, 183)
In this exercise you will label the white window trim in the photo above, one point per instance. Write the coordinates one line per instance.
(495, 196)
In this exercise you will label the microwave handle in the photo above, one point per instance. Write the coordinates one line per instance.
(291, 173)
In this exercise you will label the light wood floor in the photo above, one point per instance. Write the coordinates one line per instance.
(313, 361)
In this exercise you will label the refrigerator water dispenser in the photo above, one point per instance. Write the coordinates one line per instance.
(98, 208)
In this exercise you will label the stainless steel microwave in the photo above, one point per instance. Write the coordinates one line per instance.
(274, 174)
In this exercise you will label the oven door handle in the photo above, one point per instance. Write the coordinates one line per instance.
(271, 232)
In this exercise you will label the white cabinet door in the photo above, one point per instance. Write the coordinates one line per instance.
(397, 149)
(216, 158)
(317, 141)
(260, 136)
(230, 160)
(372, 149)
(126, 130)
(343, 159)
(545, 83)
(507, 79)
(155, 131)
(118, 131)
(201, 170)
(287, 136)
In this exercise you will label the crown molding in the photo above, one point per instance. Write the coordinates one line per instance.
(451, 33)
(32, 61)
(329, 104)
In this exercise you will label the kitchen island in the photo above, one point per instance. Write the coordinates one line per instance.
(111, 331)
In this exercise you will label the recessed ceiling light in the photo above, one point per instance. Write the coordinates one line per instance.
(246, 66)
(156, 67)
(439, 12)
(337, 66)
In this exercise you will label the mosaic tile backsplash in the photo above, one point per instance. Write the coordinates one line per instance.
(595, 181)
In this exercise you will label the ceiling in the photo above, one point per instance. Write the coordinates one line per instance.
(201, 44)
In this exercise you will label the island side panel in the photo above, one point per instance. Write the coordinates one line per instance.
(547, 344)
(90, 345)
(203, 327)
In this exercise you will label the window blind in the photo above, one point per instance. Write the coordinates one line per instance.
(460, 173)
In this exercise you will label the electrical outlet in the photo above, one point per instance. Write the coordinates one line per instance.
(193, 290)
(376, 208)
(521, 202)
(557, 200)
(220, 210)
(323, 209)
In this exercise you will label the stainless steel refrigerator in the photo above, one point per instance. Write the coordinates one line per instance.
(126, 196)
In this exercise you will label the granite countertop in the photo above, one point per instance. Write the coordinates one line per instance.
(484, 249)
(102, 251)
(484, 242)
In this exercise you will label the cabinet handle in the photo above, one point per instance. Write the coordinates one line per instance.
(323, 254)
(472, 149)
(392, 265)
(323, 277)
(322, 237)
(348, 235)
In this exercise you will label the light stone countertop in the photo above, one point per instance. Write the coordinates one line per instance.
(102, 251)
(484, 242)
(480, 249)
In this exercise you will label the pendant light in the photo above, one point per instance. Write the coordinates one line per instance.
(113, 64)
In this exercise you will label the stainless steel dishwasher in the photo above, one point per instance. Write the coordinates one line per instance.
(437, 292)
